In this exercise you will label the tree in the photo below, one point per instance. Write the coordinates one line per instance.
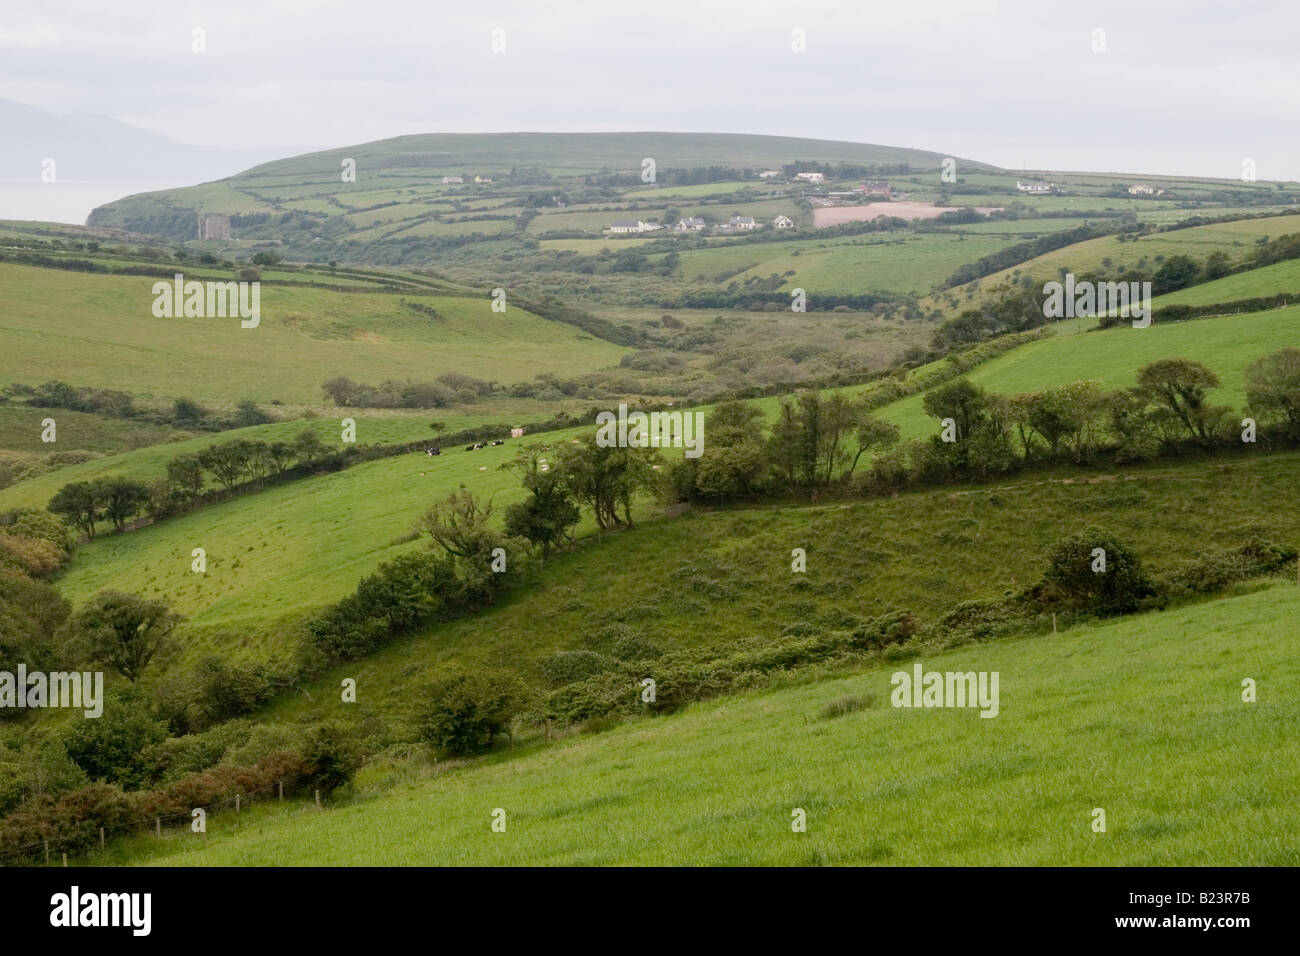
(1073, 578)
(1273, 388)
(79, 503)
(459, 525)
(872, 433)
(549, 514)
(124, 631)
(122, 498)
(308, 448)
(186, 411)
(463, 712)
(281, 455)
(1176, 273)
(247, 414)
(607, 478)
(1180, 385)
(341, 390)
(186, 473)
(227, 460)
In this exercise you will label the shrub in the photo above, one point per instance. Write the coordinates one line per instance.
(1070, 579)
(563, 667)
(463, 712)
(332, 755)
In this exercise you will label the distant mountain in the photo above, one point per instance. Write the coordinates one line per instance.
(90, 148)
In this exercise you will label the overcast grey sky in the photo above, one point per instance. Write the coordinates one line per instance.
(1187, 87)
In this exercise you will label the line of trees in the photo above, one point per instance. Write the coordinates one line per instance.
(819, 439)
(86, 504)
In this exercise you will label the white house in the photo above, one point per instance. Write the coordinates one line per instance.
(452, 180)
(693, 224)
(1141, 189)
(770, 174)
(783, 222)
(1034, 186)
(811, 177)
(742, 222)
(481, 179)
(638, 225)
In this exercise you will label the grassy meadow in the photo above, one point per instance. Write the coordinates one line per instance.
(1186, 772)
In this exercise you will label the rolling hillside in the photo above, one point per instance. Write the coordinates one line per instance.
(100, 331)
(1186, 773)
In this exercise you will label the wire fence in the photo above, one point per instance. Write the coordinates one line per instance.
(26, 853)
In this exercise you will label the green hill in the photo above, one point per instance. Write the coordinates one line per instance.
(97, 330)
(1142, 718)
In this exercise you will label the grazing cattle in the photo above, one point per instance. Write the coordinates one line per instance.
(498, 442)
(471, 447)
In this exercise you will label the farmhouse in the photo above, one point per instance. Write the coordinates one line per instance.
(783, 222)
(1141, 189)
(742, 222)
(452, 180)
(770, 174)
(1034, 186)
(637, 225)
(811, 177)
(875, 187)
(692, 224)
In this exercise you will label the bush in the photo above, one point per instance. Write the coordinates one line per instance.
(465, 711)
(563, 667)
(332, 755)
(1070, 579)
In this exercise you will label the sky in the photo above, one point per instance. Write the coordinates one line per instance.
(1186, 88)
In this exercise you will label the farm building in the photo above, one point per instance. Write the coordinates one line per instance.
(692, 224)
(1141, 189)
(742, 222)
(1034, 186)
(783, 222)
(811, 177)
(875, 187)
(770, 174)
(452, 180)
(630, 225)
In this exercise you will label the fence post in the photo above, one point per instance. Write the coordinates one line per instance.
(281, 789)
(65, 859)
(101, 838)
(317, 799)
(47, 850)
(1053, 622)
(236, 803)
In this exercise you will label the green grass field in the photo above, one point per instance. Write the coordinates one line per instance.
(1113, 357)
(93, 330)
(1141, 717)
(1255, 283)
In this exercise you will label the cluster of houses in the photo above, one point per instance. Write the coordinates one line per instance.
(697, 224)
(458, 180)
